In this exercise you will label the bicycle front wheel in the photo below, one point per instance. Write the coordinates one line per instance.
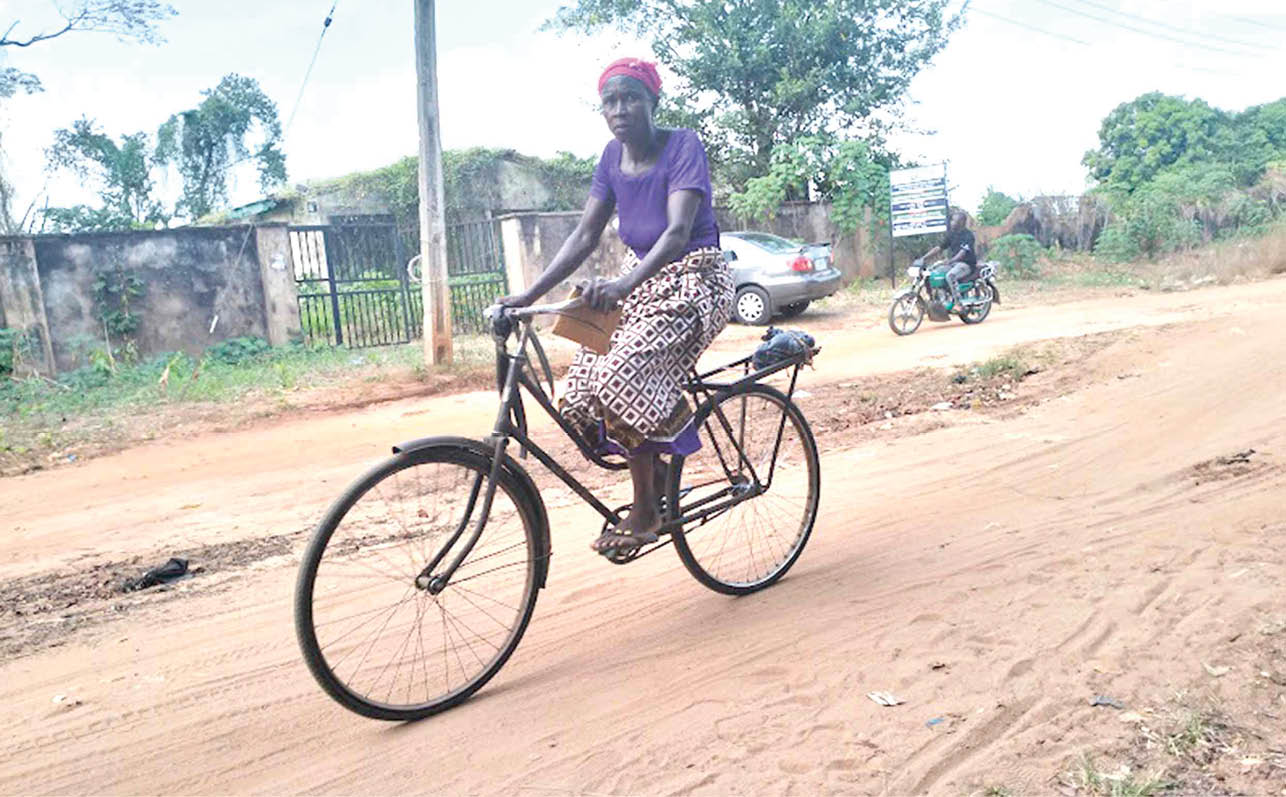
(752, 440)
(376, 640)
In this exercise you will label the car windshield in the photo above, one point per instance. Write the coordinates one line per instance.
(773, 243)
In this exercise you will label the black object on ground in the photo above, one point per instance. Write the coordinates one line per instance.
(172, 570)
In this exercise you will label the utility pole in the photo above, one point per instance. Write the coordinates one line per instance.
(433, 246)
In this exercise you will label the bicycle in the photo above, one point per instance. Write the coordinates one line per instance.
(420, 580)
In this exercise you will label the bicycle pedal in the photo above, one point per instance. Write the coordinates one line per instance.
(621, 556)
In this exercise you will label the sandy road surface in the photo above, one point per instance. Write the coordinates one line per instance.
(1082, 555)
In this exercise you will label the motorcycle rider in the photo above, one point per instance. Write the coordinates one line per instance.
(960, 243)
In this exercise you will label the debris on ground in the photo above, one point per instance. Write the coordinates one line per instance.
(1104, 700)
(1215, 672)
(1238, 458)
(172, 570)
(885, 698)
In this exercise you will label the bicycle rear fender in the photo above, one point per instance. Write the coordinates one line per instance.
(530, 494)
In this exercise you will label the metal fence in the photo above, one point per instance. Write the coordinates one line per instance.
(354, 289)
(475, 273)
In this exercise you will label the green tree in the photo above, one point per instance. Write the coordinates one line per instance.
(1142, 138)
(206, 141)
(996, 207)
(848, 174)
(1255, 138)
(120, 171)
(124, 19)
(136, 20)
(758, 73)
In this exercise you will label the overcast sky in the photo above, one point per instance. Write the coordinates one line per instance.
(1014, 100)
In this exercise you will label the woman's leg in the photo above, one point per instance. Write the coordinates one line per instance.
(644, 516)
(644, 519)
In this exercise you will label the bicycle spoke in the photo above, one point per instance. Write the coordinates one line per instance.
(374, 630)
(746, 543)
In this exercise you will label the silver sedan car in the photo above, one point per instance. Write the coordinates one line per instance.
(776, 276)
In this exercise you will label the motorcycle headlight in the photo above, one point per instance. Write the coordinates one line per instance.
(913, 272)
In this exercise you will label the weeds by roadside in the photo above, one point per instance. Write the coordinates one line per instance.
(1187, 747)
(1087, 777)
(101, 405)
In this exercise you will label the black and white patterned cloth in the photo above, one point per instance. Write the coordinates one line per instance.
(636, 389)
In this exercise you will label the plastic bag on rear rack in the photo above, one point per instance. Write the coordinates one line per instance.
(781, 345)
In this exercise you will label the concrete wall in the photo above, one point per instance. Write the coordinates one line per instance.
(531, 240)
(200, 286)
(281, 302)
(22, 303)
(811, 222)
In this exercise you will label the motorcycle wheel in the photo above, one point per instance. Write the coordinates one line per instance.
(906, 314)
(976, 314)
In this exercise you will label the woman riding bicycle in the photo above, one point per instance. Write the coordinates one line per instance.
(674, 288)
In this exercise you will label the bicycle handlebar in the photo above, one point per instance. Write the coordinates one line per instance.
(495, 310)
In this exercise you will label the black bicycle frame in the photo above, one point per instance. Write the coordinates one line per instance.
(511, 425)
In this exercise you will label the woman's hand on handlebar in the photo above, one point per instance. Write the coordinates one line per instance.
(516, 300)
(603, 295)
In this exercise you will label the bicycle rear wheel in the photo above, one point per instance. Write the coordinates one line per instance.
(752, 543)
(377, 642)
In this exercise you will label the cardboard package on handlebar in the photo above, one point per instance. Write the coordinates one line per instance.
(587, 326)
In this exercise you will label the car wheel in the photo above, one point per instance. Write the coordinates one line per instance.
(792, 310)
(752, 306)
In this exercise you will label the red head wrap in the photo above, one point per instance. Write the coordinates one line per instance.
(642, 71)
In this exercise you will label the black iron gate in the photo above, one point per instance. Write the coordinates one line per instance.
(475, 273)
(355, 290)
(352, 285)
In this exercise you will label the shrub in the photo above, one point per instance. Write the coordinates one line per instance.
(1115, 245)
(995, 208)
(11, 344)
(237, 350)
(1017, 255)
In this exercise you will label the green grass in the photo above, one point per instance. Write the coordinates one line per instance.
(98, 387)
(1011, 365)
(42, 415)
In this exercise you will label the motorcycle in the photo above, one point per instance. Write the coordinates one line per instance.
(929, 295)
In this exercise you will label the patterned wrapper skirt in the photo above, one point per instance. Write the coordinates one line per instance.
(632, 398)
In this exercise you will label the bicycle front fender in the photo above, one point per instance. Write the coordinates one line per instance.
(531, 495)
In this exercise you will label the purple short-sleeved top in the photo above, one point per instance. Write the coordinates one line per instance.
(641, 200)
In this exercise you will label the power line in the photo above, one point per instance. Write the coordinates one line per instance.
(1142, 31)
(1084, 43)
(1175, 28)
(1028, 27)
(316, 51)
(1255, 22)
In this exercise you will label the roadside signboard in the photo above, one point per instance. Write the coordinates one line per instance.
(918, 200)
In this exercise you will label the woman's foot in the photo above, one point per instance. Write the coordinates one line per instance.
(639, 527)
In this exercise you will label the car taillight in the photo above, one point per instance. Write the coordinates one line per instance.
(801, 263)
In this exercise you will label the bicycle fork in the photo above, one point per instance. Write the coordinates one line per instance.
(434, 584)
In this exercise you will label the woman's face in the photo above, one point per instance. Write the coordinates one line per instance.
(627, 108)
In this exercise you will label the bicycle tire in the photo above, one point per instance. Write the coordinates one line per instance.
(511, 506)
(694, 552)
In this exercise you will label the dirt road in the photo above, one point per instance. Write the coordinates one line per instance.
(995, 573)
